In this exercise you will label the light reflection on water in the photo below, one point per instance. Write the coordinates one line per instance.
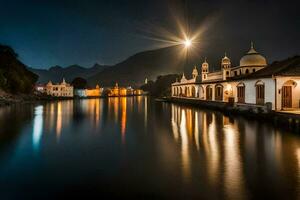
(136, 145)
(37, 126)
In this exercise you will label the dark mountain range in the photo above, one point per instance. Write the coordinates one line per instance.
(132, 71)
(149, 64)
(57, 73)
(14, 76)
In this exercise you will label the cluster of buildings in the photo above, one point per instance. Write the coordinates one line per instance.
(124, 91)
(252, 83)
(90, 92)
(65, 89)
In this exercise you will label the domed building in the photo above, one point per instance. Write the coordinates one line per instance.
(253, 58)
(251, 62)
(253, 84)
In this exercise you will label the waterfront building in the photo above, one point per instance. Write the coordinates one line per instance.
(90, 92)
(40, 88)
(252, 83)
(62, 89)
(123, 91)
(80, 92)
(117, 91)
(138, 92)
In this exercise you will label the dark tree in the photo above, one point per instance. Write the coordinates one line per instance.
(79, 83)
(162, 85)
(14, 75)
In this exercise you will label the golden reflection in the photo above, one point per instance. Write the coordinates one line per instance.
(139, 103)
(58, 120)
(234, 185)
(184, 145)
(97, 111)
(50, 118)
(174, 119)
(298, 163)
(213, 151)
(193, 124)
(145, 111)
(123, 117)
(278, 148)
(116, 108)
(189, 121)
(197, 130)
(52, 115)
(92, 109)
(205, 125)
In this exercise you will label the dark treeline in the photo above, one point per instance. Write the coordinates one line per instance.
(161, 86)
(14, 76)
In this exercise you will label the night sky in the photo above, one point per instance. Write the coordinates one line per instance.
(47, 33)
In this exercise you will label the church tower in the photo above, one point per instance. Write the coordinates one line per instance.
(225, 66)
(195, 72)
(204, 70)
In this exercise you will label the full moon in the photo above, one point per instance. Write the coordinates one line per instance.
(187, 43)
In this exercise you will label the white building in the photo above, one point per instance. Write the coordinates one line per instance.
(62, 89)
(252, 83)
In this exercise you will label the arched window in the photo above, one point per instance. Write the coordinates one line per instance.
(208, 93)
(253, 70)
(201, 92)
(219, 92)
(247, 71)
(241, 92)
(187, 91)
(260, 93)
(193, 91)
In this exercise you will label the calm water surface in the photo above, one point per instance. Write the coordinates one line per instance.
(138, 147)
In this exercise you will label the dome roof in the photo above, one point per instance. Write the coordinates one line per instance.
(253, 58)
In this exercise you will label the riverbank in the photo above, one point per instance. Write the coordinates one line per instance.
(288, 121)
(7, 99)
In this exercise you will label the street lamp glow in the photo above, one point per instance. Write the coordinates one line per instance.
(187, 43)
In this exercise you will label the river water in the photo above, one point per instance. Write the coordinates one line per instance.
(137, 147)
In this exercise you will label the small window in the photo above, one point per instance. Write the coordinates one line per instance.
(253, 70)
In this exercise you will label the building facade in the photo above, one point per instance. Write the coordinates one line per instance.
(62, 89)
(124, 91)
(252, 83)
(90, 92)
